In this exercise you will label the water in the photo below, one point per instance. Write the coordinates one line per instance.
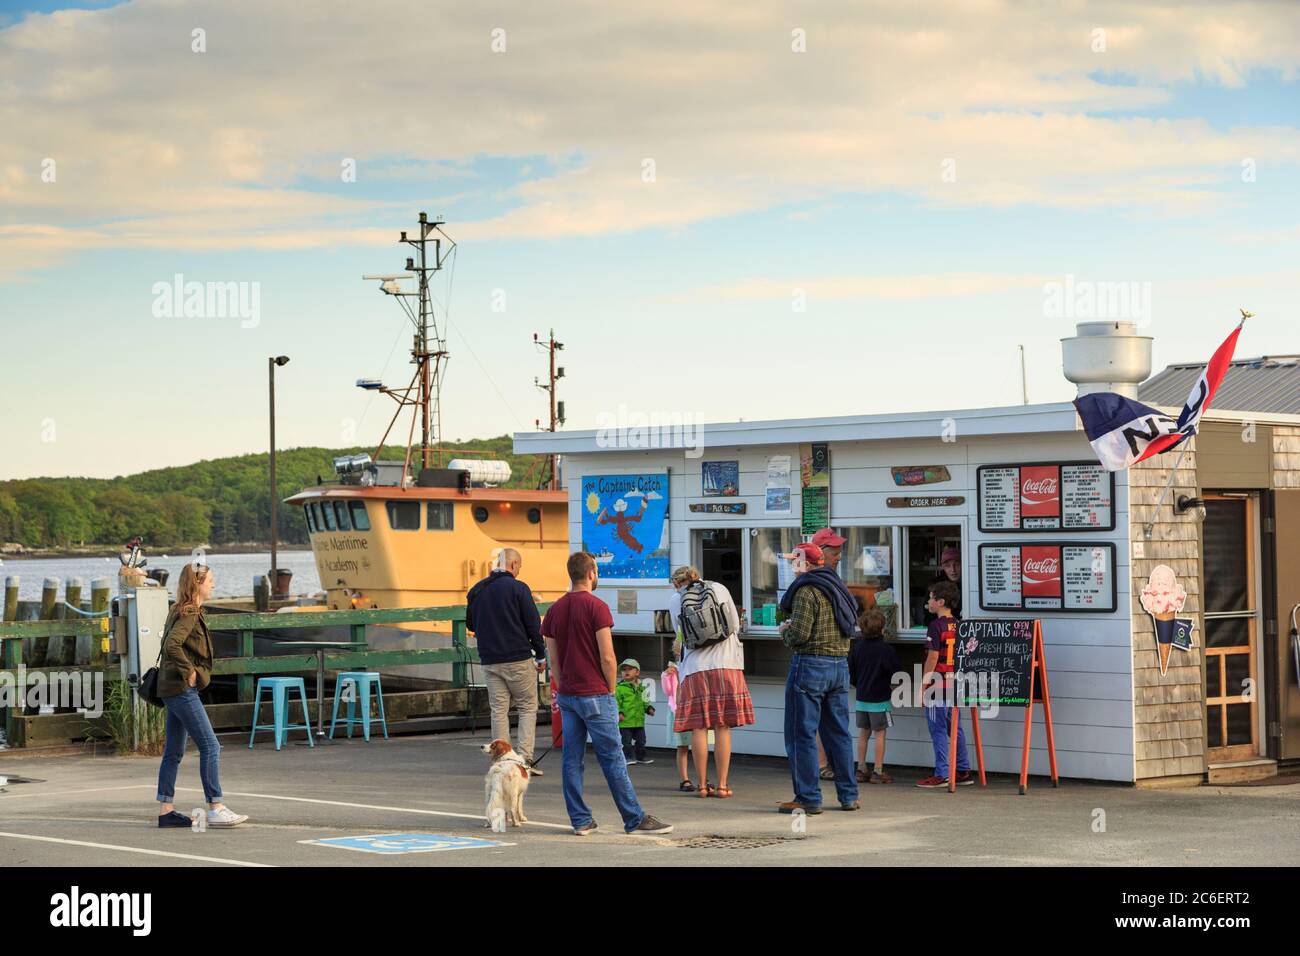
(234, 572)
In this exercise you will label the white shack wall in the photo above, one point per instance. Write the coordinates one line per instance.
(1089, 656)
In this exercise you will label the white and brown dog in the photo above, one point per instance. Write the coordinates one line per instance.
(504, 786)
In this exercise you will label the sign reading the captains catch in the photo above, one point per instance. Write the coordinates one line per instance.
(625, 524)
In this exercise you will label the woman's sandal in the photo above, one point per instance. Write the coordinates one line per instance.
(686, 787)
(722, 793)
(826, 773)
(706, 790)
(862, 776)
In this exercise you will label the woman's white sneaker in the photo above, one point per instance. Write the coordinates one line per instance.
(225, 817)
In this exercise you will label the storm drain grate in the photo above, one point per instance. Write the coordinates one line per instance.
(716, 842)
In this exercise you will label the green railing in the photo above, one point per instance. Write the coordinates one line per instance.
(247, 666)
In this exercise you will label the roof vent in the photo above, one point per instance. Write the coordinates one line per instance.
(1107, 357)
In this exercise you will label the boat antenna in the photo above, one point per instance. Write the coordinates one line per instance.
(429, 352)
(557, 407)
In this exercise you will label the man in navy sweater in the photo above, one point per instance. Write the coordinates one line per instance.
(501, 613)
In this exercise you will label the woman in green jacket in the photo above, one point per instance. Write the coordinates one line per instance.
(185, 670)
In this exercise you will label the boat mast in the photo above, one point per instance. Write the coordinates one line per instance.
(429, 349)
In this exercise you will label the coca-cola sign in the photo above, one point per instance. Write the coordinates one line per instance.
(1071, 576)
(1051, 496)
(1038, 490)
(1040, 496)
(1040, 571)
(1043, 569)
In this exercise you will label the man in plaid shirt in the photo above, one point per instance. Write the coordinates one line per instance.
(817, 689)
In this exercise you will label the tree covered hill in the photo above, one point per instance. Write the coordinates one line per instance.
(221, 501)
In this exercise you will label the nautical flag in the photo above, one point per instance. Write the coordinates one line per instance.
(1123, 431)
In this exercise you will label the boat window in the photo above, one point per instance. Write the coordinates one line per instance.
(360, 520)
(341, 512)
(316, 521)
(404, 515)
(480, 514)
(327, 510)
(306, 513)
(442, 516)
(534, 515)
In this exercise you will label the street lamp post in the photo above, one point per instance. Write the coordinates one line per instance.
(271, 364)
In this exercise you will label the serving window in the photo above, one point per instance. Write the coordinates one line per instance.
(888, 567)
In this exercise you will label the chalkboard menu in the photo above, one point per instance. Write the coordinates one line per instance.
(994, 658)
(1066, 576)
(1053, 496)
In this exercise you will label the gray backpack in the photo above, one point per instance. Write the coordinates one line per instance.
(704, 622)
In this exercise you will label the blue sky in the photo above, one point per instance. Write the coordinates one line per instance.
(774, 171)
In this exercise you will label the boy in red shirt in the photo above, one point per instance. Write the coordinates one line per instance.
(941, 640)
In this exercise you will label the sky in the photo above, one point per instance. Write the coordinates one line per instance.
(724, 211)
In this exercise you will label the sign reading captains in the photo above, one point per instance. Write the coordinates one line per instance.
(625, 524)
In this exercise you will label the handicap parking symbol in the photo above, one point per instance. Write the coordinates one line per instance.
(390, 843)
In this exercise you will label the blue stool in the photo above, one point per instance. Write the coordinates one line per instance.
(279, 688)
(361, 682)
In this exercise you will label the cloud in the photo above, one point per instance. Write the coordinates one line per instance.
(996, 104)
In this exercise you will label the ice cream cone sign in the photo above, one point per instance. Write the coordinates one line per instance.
(1163, 597)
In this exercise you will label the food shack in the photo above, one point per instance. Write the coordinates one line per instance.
(1042, 531)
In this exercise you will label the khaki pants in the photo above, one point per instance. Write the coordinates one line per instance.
(515, 682)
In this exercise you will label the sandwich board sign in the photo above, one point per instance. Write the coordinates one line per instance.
(1001, 661)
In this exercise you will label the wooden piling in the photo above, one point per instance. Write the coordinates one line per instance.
(37, 649)
(261, 593)
(64, 649)
(11, 598)
(100, 594)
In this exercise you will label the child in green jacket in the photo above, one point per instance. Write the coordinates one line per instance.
(632, 710)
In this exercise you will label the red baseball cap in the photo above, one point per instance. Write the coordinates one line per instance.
(827, 537)
(949, 554)
(811, 551)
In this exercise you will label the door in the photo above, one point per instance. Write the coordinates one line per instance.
(1232, 626)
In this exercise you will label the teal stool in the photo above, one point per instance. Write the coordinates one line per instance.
(279, 688)
(361, 682)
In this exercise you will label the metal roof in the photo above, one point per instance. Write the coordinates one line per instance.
(662, 433)
(1270, 383)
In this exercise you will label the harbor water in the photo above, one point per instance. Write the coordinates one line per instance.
(234, 572)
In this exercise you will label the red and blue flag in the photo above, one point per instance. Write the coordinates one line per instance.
(1123, 431)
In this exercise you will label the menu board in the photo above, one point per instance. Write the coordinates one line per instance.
(1055, 496)
(994, 658)
(1069, 576)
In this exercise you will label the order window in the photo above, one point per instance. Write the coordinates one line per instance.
(888, 567)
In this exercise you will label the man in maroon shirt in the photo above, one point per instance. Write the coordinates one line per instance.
(580, 647)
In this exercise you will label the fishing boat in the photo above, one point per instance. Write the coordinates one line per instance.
(419, 531)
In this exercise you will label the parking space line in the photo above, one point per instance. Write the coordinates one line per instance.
(371, 806)
(132, 849)
(65, 793)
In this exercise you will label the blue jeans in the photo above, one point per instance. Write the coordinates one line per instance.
(938, 719)
(817, 701)
(598, 716)
(186, 717)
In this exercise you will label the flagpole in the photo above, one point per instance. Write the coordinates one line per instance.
(1150, 525)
